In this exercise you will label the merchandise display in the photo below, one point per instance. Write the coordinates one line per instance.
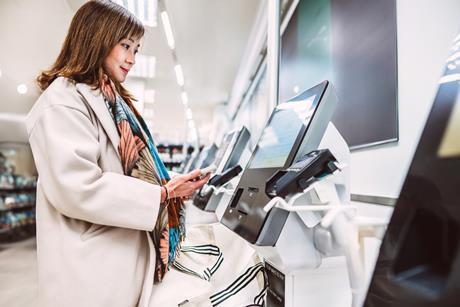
(172, 155)
(176, 156)
(17, 203)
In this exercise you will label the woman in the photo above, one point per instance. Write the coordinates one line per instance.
(109, 218)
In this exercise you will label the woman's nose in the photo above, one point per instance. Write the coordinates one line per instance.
(131, 58)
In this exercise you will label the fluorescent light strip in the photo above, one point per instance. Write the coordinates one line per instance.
(151, 67)
(193, 135)
(179, 75)
(449, 78)
(184, 98)
(150, 13)
(131, 7)
(188, 114)
(453, 57)
(145, 10)
(141, 11)
(168, 29)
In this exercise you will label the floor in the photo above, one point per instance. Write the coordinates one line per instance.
(18, 274)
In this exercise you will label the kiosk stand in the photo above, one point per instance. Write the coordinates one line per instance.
(307, 239)
(231, 158)
(221, 195)
(320, 224)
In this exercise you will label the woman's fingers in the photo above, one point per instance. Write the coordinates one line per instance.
(201, 182)
(180, 179)
(184, 186)
(193, 175)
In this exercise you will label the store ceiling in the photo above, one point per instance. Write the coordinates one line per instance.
(211, 36)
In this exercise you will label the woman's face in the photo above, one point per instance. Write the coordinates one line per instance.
(121, 59)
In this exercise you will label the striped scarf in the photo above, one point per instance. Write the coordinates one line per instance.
(140, 159)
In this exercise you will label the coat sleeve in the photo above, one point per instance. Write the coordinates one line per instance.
(65, 146)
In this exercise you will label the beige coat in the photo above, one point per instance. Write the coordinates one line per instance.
(93, 248)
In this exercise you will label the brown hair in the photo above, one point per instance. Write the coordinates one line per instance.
(97, 27)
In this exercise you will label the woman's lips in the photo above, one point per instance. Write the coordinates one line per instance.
(125, 70)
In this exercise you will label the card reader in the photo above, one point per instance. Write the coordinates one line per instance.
(301, 174)
(202, 197)
(220, 179)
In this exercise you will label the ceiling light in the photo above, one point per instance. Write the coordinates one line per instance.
(296, 89)
(449, 78)
(179, 75)
(168, 29)
(22, 88)
(454, 56)
(184, 98)
(188, 114)
(130, 5)
(145, 10)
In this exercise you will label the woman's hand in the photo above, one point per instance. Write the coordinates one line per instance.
(185, 185)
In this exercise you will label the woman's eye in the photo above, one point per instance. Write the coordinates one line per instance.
(126, 46)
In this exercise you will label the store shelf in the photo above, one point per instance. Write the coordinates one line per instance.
(17, 233)
(172, 163)
(17, 193)
(174, 155)
(17, 190)
(16, 207)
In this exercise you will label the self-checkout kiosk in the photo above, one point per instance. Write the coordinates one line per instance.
(230, 160)
(419, 260)
(191, 161)
(201, 159)
(292, 201)
(205, 157)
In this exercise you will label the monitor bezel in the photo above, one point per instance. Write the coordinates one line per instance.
(318, 91)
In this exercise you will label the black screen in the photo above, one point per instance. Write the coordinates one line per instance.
(419, 260)
(242, 138)
(353, 44)
(281, 132)
(207, 156)
(223, 147)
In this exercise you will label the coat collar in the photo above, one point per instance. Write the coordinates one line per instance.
(96, 102)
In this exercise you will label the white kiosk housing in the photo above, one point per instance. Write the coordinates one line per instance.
(305, 231)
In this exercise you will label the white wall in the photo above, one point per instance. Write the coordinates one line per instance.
(426, 29)
(31, 35)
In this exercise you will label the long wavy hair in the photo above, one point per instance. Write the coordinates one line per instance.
(97, 27)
